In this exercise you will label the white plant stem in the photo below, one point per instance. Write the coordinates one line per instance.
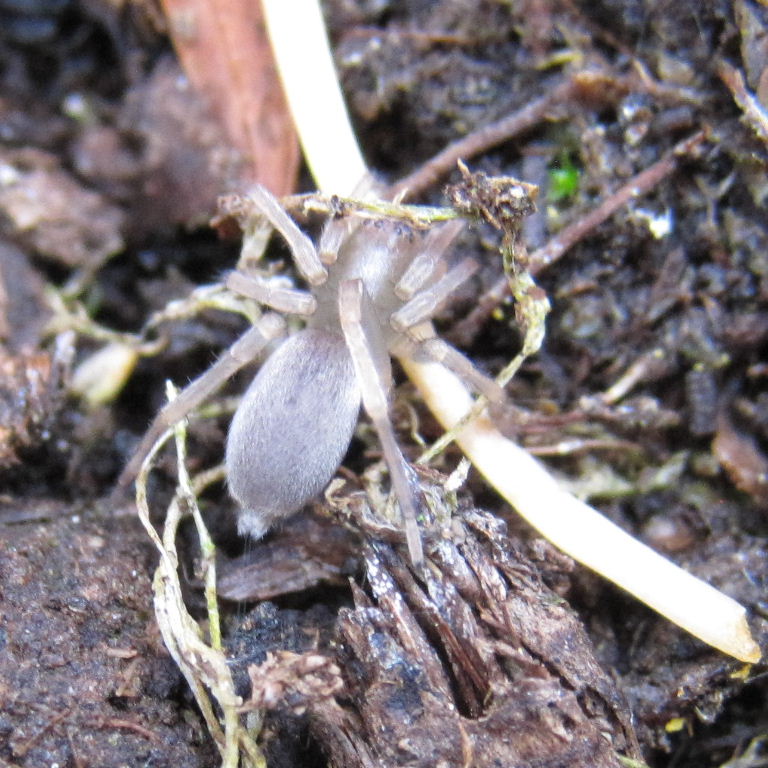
(579, 530)
(297, 30)
(306, 66)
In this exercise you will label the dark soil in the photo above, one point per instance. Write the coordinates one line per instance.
(509, 653)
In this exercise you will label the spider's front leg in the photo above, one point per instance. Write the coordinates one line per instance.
(371, 361)
(259, 202)
(281, 299)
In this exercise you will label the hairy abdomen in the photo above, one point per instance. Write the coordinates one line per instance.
(292, 428)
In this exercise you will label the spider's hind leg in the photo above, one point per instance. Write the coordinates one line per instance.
(436, 350)
(242, 352)
(371, 361)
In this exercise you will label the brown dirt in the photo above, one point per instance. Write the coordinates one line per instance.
(108, 166)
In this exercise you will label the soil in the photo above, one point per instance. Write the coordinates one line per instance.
(648, 396)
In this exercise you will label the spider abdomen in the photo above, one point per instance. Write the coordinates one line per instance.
(292, 428)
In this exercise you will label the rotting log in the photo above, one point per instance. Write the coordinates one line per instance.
(479, 664)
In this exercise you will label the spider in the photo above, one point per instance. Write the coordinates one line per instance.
(373, 288)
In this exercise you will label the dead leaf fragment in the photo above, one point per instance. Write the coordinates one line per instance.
(742, 459)
(46, 210)
(224, 50)
(293, 680)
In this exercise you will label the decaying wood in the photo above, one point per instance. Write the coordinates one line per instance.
(480, 664)
(304, 552)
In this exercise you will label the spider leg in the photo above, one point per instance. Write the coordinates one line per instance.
(281, 299)
(439, 351)
(373, 378)
(242, 352)
(334, 233)
(423, 266)
(302, 248)
(425, 303)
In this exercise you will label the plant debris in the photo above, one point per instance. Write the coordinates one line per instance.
(648, 393)
(476, 654)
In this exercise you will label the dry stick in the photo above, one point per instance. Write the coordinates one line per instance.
(489, 136)
(550, 253)
(119, 722)
(754, 112)
(592, 81)
(518, 477)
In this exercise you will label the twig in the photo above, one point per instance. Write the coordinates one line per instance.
(484, 138)
(570, 446)
(754, 112)
(118, 722)
(593, 81)
(416, 216)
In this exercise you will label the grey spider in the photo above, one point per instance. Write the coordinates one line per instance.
(373, 288)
